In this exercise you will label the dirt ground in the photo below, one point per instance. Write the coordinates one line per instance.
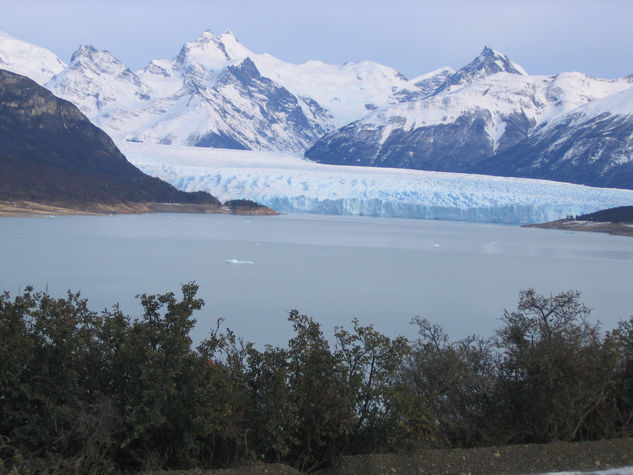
(514, 459)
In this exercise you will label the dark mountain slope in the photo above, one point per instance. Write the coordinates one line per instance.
(594, 151)
(448, 130)
(49, 151)
(621, 214)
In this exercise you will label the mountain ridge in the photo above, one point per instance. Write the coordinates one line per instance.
(329, 95)
(494, 121)
(488, 116)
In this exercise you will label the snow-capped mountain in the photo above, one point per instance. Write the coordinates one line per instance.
(347, 91)
(200, 98)
(489, 116)
(484, 109)
(28, 60)
(290, 184)
(489, 62)
(218, 93)
(425, 85)
(592, 144)
(98, 83)
(242, 110)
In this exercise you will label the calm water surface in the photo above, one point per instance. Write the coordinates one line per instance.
(383, 271)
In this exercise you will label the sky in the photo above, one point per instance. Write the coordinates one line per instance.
(412, 36)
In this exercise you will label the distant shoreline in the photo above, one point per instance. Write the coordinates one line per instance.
(21, 208)
(617, 229)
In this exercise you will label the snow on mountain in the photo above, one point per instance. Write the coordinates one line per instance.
(348, 91)
(615, 104)
(27, 59)
(490, 116)
(208, 52)
(425, 85)
(485, 108)
(162, 77)
(240, 109)
(201, 97)
(188, 102)
(289, 183)
(488, 62)
(98, 83)
(592, 144)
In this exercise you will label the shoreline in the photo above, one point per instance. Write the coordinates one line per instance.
(616, 229)
(23, 208)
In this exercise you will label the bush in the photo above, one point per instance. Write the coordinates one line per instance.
(556, 375)
(455, 380)
(98, 393)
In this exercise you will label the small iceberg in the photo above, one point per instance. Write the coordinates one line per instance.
(237, 261)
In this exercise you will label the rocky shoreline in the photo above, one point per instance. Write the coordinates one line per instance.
(30, 208)
(619, 229)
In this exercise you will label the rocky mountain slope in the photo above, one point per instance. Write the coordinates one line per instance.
(50, 152)
(593, 145)
(489, 108)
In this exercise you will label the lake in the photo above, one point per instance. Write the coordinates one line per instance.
(334, 268)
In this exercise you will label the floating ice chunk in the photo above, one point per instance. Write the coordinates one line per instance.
(237, 261)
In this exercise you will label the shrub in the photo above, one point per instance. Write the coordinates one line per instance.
(98, 393)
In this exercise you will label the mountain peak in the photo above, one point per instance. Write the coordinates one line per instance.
(207, 36)
(500, 60)
(487, 63)
(84, 51)
(96, 81)
(207, 50)
(489, 52)
(87, 57)
(28, 59)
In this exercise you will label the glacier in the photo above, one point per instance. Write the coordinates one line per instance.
(292, 184)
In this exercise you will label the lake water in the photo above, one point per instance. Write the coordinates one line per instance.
(383, 271)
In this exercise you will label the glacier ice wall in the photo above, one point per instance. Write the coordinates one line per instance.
(291, 184)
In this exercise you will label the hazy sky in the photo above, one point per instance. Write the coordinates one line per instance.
(412, 36)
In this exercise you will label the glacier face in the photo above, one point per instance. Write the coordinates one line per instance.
(291, 184)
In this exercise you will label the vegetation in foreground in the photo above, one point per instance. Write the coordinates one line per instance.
(88, 392)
